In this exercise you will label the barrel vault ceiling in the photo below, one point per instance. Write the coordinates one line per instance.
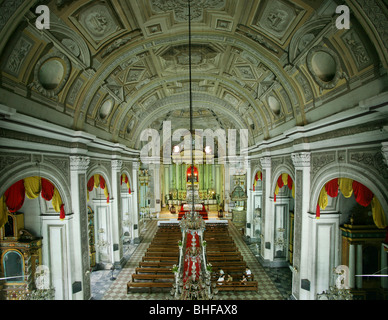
(113, 68)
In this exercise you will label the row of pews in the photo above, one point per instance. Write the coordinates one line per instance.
(155, 269)
(222, 253)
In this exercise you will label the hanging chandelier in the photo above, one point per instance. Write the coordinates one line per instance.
(193, 274)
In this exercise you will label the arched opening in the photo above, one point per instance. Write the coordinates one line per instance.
(33, 227)
(98, 199)
(284, 195)
(361, 228)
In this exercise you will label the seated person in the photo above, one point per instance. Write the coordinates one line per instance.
(229, 278)
(244, 279)
(248, 272)
(221, 279)
(221, 272)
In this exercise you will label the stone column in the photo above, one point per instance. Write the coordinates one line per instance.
(266, 250)
(166, 182)
(135, 202)
(117, 229)
(249, 202)
(352, 265)
(79, 234)
(303, 263)
(384, 280)
(359, 266)
(157, 192)
(227, 187)
(217, 178)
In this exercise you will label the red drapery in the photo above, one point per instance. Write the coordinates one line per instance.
(102, 182)
(289, 182)
(47, 189)
(190, 260)
(90, 184)
(14, 196)
(280, 182)
(362, 194)
(332, 188)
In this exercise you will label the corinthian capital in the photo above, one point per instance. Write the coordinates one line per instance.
(265, 162)
(79, 163)
(301, 159)
(117, 164)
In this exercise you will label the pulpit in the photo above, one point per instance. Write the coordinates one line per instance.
(363, 253)
(21, 254)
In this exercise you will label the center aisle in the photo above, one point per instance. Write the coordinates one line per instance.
(118, 289)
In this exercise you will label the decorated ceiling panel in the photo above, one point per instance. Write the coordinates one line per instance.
(120, 67)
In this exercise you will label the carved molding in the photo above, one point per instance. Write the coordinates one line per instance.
(372, 160)
(321, 159)
(384, 152)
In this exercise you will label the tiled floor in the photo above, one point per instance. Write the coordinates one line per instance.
(274, 284)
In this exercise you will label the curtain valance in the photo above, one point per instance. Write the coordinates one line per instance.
(362, 195)
(284, 180)
(125, 179)
(96, 181)
(14, 196)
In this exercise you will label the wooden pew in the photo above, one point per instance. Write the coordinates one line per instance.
(237, 286)
(152, 277)
(153, 270)
(161, 259)
(148, 285)
(156, 264)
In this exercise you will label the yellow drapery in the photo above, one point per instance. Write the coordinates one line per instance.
(277, 189)
(3, 212)
(96, 180)
(106, 193)
(293, 190)
(346, 186)
(32, 186)
(378, 214)
(56, 200)
(285, 178)
(124, 176)
(323, 200)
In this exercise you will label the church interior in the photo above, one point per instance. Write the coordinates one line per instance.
(149, 146)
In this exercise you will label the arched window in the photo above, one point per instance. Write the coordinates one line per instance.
(13, 266)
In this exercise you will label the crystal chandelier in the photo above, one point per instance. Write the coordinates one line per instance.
(101, 243)
(339, 291)
(192, 275)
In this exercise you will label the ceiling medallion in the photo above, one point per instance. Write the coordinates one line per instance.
(51, 74)
(324, 65)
